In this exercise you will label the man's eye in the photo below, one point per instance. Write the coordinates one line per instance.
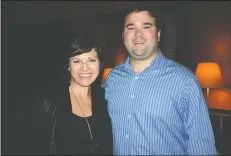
(131, 28)
(147, 27)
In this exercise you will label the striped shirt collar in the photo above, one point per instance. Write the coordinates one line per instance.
(159, 61)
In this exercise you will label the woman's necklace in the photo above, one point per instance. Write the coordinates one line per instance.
(84, 116)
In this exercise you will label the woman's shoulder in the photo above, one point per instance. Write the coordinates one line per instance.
(98, 91)
(42, 103)
(45, 101)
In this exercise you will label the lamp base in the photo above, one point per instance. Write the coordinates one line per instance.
(207, 93)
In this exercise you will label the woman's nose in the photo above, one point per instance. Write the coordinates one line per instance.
(85, 66)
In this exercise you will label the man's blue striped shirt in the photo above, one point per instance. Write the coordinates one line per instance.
(161, 111)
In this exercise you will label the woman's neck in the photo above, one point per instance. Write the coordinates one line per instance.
(78, 90)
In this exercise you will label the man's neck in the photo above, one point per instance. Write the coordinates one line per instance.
(140, 65)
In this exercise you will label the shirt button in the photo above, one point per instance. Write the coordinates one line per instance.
(129, 115)
(127, 136)
(132, 96)
(136, 77)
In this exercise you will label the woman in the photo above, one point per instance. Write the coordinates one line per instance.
(75, 118)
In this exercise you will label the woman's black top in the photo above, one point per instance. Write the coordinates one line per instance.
(73, 136)
(55, 129)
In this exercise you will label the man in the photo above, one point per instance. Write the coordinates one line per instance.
(156, 105)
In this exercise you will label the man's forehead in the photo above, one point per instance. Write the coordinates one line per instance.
(136, 13)
(141, 16)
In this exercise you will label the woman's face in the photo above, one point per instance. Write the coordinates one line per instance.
(84, 68)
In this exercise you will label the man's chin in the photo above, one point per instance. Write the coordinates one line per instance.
(138, 57)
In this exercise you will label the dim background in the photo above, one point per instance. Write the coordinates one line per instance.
(35, 36)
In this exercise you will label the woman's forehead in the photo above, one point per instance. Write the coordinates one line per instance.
(86, 55)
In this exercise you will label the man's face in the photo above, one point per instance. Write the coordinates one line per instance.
(140, 35)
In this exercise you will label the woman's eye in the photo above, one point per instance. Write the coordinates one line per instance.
(92, 60)
(76, 61)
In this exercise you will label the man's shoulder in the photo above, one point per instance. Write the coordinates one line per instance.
(113, 75)
(116, 69)
(179, 70)
(177, 67)
(119, 67)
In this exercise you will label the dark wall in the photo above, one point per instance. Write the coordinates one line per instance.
(210, 33)
(31, 61)
(33, 55)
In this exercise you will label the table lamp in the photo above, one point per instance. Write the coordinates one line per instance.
(209, 75)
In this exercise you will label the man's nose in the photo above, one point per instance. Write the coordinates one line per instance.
(138, 32)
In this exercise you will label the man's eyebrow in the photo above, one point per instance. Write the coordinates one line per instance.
(148, 24)
(130, 24)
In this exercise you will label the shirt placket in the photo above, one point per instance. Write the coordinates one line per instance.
(131, 107)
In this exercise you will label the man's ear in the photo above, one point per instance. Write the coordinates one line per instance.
(122, 34)
(159, 34)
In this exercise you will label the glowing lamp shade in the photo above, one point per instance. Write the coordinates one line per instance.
(105, 73)
(220, 99)
(209, 75)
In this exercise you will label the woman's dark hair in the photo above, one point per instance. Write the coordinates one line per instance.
(80, 45)
(83, 45)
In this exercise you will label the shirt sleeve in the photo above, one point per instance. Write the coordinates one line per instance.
(200, 137)
(103, 85)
